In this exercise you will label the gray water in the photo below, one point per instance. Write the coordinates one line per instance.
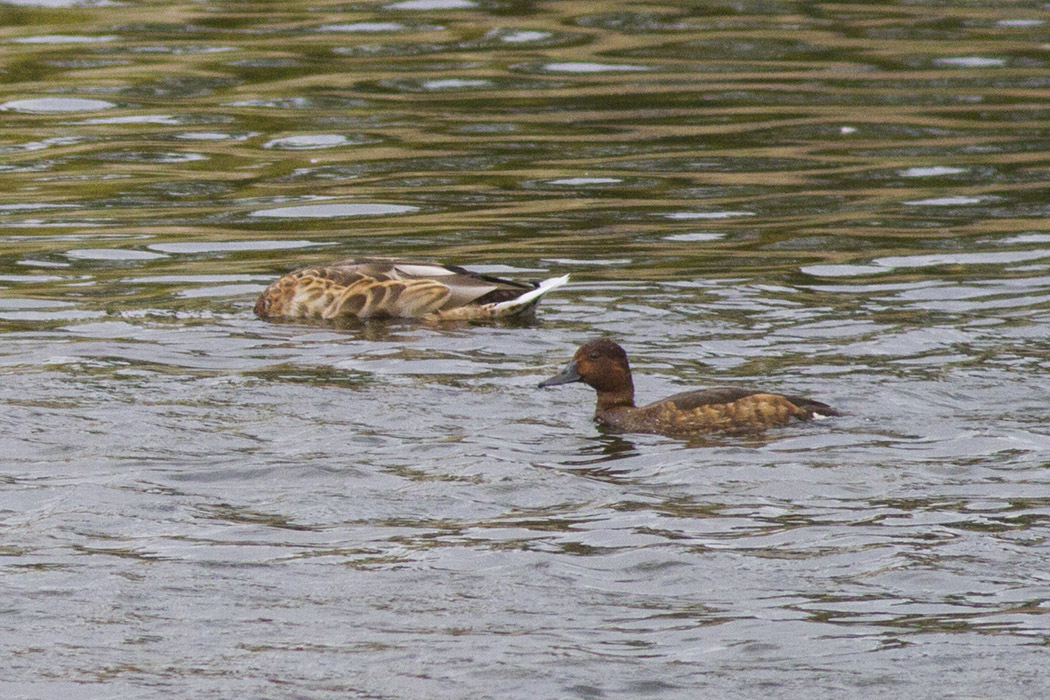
(846, 201)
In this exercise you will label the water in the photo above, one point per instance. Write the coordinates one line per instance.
(840, 200)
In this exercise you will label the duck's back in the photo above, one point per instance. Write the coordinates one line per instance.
(370, 288)
(728, 395)
(722, 409)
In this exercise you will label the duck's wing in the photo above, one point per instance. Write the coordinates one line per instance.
(688, 400)
(465, 287)
(718, 396)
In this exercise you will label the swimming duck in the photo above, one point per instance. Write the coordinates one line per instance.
(603, 365)
(389, 288)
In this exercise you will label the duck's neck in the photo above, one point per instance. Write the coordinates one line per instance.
(622, 397)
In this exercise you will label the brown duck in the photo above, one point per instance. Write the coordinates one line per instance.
(603, 365)
(387, 288)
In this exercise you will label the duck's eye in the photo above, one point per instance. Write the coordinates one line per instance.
(594, 355)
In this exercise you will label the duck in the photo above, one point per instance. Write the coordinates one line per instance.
(602, 364)
(371, 288)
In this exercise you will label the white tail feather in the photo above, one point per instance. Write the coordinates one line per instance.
(532, 295)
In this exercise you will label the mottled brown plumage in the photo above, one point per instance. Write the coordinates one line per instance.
(381, 288)
(603, 365)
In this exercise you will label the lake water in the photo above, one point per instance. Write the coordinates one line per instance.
(846, 201)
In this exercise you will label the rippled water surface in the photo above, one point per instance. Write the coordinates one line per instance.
(846, 201)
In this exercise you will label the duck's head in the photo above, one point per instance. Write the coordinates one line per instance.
(601, 364)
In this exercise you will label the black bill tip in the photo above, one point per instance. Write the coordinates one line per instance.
(566, 376)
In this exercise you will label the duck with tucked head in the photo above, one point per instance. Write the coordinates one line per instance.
(603, 365)
(366, 288)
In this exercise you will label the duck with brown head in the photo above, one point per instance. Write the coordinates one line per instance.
(603, 365)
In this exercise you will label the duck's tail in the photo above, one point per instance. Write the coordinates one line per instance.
(503, 309)
(817, 410)
(529, 299)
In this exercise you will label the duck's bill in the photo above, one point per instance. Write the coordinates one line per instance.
(566, 376)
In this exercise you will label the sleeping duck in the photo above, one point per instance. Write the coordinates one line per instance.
(603, 365)
(386, 288)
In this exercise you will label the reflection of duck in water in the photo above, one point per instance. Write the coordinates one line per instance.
(603, 365)
(383, 288)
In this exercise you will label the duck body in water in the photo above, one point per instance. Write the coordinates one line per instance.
(603, 365)
(365, 288)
